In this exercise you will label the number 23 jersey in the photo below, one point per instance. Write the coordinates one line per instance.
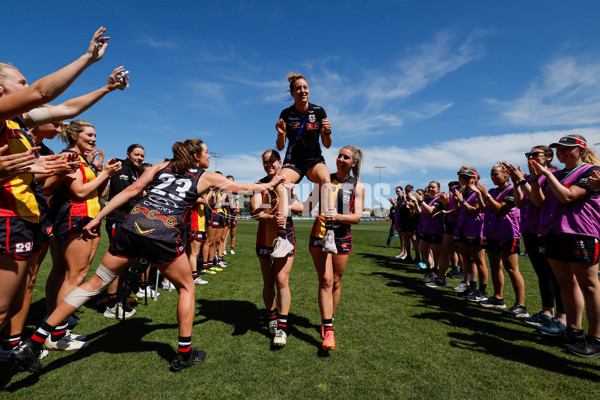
(160, 213)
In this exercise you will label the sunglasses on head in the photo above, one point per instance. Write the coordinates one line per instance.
(533, 154)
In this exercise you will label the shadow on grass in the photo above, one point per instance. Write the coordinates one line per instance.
(244, 316)
(379, 260)
(491, 333)
(114, 339)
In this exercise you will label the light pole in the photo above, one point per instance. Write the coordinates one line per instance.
(380, 167)
(216, 156)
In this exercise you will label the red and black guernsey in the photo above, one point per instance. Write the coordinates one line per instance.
(307, 145)
(169, 198)
(17, 196)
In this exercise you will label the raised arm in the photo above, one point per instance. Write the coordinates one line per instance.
(281, 129)
(326, 133)
(71, 108)
(218, 181)
(49, 87)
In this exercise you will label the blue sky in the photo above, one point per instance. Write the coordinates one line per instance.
(421, 86)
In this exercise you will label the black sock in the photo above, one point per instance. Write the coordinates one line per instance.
(473, 285)
(282, 322)
(194, 274)
(185, 345)
(327, 325)
(9, 343)
(483, 287)
(281, 232)
(41, 334)
(60, 331)
(112, 300)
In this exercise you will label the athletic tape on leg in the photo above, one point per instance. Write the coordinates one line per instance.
(79, 296)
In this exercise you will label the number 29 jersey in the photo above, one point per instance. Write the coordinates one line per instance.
(161, 212)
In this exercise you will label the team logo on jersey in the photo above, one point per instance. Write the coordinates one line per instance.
(311, 118)
(140, 230)
(169, 222)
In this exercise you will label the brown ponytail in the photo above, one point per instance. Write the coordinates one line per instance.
(183, 154)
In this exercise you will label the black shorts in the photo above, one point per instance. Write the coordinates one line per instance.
(301, 167)
(232, 222)
(112, 228)
(449, 227)
(343, 245)
(199, 236)
(72, 224)
(469, 241)
(431, 238)
(512, 246)
(47, 227)
(129, 245)
(19, 238)
(570, 248)
(407, 225)
(217, 220)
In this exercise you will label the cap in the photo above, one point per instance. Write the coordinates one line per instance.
(570, 141)
(467, 172)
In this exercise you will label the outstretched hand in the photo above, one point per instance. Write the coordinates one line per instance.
(98, 45)
(114, 82)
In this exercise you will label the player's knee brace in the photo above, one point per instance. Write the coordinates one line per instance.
(79, 296)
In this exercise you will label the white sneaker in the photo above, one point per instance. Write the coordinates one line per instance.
(280, 338)
(165, 285)
(200, 281)
(117, 312)
(65, 344)
(74, 336)
(328, 243)
(222, 264)
(149, 290)
(273, 326)
(231, 252)
(461, 287)
(224, 252)
(281, 248)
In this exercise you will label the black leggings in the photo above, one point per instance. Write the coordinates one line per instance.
(549, 288)
(392, 233)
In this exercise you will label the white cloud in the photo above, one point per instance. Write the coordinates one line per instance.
(567, 93)
(157, 44)
(440, 161)
(377, 102)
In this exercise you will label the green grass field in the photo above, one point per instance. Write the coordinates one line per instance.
(395, 338)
